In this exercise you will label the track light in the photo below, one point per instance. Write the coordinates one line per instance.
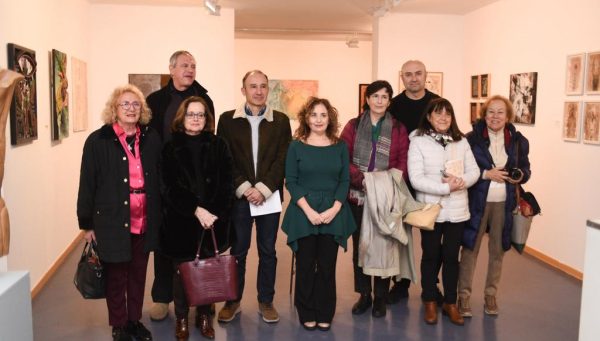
(212, 7)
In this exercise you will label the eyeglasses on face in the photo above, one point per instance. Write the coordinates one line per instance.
(195, 115)
(129, 105)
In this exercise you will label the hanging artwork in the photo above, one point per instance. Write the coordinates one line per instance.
(79, 86)
(434, 82)
(591, 123)
(362, 99)
(59, 117)
(474, 111)
(592, 79)
(23, 111)
(574, 78)
(571, 121)
(484, 87)
(288, 96)
(148, 83)
(523, 88)
(475, 86)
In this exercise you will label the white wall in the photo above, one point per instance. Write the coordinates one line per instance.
(41, 180)
(338, 69)
(506, 37)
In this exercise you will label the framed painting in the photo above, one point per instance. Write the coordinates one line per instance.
(474, 86)
(574, 77)
(571, 121)
(79, 91)
(523, 90)
(362, 99)
(288, 96)
(23, 111)
(475, 111)
(592, 78)
(148, 83)
(59, 115)
(591, 123)
(484, 86)
(434, 82)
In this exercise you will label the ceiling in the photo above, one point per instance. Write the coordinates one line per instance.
(316, 17)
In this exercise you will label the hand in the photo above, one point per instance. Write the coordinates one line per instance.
(314, 217)
(254, 196)
(89, 235)
(456, 183)
(328, 215)
(207, 219)
(497, 175)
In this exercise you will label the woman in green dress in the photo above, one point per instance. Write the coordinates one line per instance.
(317, 220)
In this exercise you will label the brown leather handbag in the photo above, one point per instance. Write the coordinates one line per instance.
(209, 280)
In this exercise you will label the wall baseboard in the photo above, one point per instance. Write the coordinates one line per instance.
(554, 263)
(59, 261)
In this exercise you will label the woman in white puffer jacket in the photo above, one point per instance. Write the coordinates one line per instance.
(441, 167)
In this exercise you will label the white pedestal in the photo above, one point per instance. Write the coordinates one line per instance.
(590, 294)
(15, 306)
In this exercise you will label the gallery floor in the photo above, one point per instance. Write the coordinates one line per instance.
(536, 303)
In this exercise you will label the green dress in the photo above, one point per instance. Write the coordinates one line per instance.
(321, 175)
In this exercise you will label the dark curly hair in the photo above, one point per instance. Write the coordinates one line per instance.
(333, 126)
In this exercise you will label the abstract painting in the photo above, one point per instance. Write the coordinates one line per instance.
(591, 123)
(59, 116)
(571, 121)
(574, 78)
(523, 89)
(288, 96)
(362, 99)
(23, 111)
(592, 79)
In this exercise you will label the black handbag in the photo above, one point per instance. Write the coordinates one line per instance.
(89, 279)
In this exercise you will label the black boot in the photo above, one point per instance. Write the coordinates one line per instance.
(364, 302)
(398, 292)
(379, 308)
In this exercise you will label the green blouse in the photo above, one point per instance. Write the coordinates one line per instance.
(321, 175)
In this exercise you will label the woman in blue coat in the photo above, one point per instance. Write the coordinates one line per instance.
(501, 153)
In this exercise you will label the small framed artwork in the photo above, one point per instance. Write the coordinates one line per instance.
(574, 78)
(148, 83)
(523, 92)
(475, 111)
(362, 99)
(79, 86)
(591, 123)
(23, 111)
(592, 78)
(571, 121)
(484, 87)
(474, 86)
(59, 116)
(434, 82)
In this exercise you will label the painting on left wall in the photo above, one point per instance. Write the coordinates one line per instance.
(60, 96)
(23, 111)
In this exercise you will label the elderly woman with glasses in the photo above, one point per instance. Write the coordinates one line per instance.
(198, 194)
(118, 205)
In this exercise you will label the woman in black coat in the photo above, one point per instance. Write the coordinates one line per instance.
(198, 192)
(118, 205)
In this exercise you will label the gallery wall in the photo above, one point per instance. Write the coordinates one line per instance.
(338, 69)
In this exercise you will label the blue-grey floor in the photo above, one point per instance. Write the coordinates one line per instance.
(536, 303)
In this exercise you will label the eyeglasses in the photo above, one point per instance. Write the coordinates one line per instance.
(129, 105)
(196, 115)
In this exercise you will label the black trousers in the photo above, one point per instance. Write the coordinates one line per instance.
(182, 308)
(443, 243)
(315, 296)
(362, 282)
(162, 287)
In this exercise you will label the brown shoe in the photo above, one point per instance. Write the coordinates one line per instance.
(181, 329)
(229, 310)
(430, 312)
(464, 307)
(204, 323)
(452, 311)
(159, 311)
(490, 307)
(268, 312)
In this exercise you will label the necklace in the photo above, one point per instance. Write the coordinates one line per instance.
(130, 142)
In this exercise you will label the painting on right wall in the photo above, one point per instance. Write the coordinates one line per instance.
(523, 89)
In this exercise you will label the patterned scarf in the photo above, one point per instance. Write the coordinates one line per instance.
(442, 138)
(363, 143)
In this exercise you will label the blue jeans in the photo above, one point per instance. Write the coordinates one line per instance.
(266, 235)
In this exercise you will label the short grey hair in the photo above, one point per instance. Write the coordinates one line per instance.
(174, 56)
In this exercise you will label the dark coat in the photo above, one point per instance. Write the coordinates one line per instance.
(102, 203)
(158, 102)
(189, 183)
(480, 143)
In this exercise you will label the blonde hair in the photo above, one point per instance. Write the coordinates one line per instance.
(109, 114)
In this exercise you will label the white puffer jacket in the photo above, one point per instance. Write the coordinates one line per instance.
(426, 158)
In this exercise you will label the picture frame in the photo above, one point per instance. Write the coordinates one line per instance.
(434, 82)
(592, 71)
(523, 94)
(149, 82)
(591, 123)
(79, 91)
(484, 85)
(289, 95)
(475, 86)
(572, 121)
(362, 99)
(59, 98)
(475, 107)
(23, 111)
(574, 74)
